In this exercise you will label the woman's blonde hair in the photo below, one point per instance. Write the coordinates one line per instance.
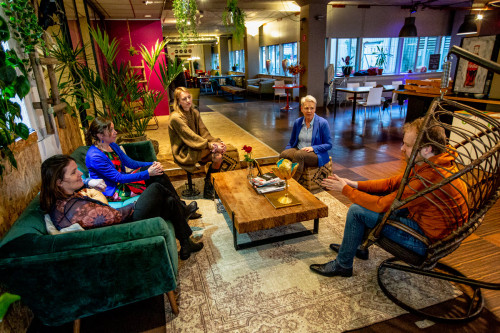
(308, 98)
(177, 95)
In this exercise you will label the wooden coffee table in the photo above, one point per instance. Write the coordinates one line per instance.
(233, 91)
(250, 211)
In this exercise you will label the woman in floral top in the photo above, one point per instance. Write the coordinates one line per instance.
(61, 199)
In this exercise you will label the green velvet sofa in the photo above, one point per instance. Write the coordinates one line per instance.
(68, 276)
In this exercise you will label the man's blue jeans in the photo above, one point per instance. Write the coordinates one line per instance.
(360, 218)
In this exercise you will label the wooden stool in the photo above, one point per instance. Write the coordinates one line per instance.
(310, 174)
(190, 190)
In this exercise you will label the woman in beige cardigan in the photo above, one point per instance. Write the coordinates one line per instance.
(191, 141)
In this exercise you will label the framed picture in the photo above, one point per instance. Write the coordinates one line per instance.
(469, 77)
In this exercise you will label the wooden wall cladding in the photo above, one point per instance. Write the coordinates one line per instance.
(70, 137)
(19, 186)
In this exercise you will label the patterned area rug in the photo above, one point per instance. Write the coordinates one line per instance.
(271, 289)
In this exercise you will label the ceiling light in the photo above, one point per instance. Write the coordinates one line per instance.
(479, 16)
(469, 26)
(409, 29)
(147, 15)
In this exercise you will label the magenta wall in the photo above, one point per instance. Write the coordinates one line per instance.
(141, 33)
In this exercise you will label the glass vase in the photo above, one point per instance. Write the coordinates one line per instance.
(251, 170)
(296, 79)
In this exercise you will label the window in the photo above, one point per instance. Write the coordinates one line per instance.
(237, 60)
(426, 47)
(24, 112)
(443, 50)
(370, 47)
(262, 57)
(215, 61)
(409, 54)
(276, 54)
(346, 47)
(290, 53)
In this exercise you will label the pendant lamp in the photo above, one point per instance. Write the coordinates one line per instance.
(409, 29)
(469, 26)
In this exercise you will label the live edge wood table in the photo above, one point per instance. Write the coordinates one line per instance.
(233, 91)
(250, 211)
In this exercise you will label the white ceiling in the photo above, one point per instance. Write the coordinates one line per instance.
(257, 12)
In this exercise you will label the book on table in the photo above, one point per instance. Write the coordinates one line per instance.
(269, 188)
(265, 179)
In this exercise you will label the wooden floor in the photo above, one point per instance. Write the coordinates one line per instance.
(364, 152)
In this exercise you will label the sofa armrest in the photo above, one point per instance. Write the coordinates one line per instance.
(65, 285)
(252, 82)
(266, 87)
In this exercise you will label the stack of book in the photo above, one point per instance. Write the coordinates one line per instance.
(267, 183)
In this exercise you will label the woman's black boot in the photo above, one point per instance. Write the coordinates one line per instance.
(188, 246)
(208, 189)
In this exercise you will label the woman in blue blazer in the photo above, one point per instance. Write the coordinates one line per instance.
(310, 141)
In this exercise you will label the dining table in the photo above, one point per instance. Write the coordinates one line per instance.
(355, 91)
(287, 88)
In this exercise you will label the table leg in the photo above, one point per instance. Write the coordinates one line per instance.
(235, 234)
(335, 105)
(287, 107)
(354, 108)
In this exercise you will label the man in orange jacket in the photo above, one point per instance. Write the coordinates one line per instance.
(427, 214)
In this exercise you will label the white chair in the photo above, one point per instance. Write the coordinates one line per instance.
(348, 96)
(279, 92)
(371, 84)
(396, 85)
(374, 99)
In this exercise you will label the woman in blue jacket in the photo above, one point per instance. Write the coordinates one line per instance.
(310, 141)
(105, 160)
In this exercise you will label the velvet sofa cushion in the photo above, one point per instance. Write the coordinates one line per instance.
(69, 276)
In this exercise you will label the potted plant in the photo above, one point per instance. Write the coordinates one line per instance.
(295, 70)
(381, 59)
(347, 68)
(235, 67)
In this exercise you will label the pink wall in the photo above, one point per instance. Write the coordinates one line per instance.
(141, 33)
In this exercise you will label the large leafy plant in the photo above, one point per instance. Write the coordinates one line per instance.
(381, 57)
(117, 93)
(13, 83)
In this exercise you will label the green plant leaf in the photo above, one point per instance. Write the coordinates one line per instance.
(22, 86)
(4, 30)
(7, 74)
(22, 130)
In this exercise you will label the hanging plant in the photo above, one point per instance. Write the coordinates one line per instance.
(234, 18)
(185, 19)
(24, 24)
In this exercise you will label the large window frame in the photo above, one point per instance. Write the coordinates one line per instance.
(407, 54)
(276, 54)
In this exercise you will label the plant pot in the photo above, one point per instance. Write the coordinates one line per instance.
(347, 70)
(379, 71)
(234, 68)
(124, 138)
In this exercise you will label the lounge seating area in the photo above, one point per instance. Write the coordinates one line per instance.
(136, 196)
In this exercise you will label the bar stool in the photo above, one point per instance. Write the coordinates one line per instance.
(190, 190)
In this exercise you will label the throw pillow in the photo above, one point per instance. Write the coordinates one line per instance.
(52, 230)
(94, 194)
